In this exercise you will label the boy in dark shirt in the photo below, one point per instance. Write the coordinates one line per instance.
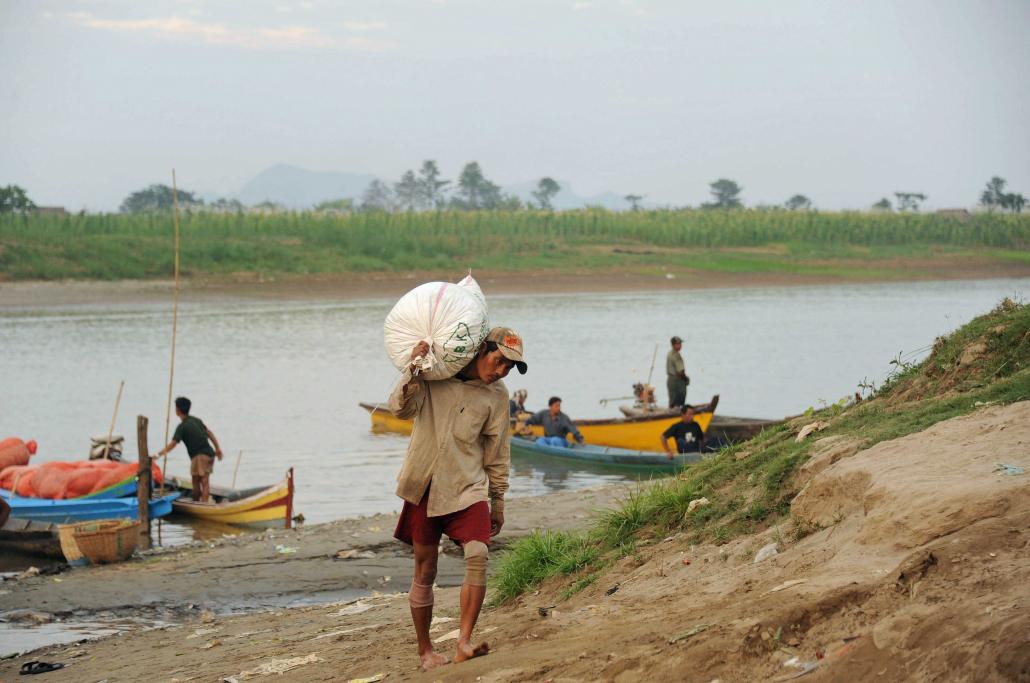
(686, 432)
(192, 432)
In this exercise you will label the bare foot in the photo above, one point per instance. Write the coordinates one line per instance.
(466, 651)
(432, 659)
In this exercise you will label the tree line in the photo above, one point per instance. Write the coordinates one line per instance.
(426, 190)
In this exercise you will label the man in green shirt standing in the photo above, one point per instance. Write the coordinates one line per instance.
(676, 380)
(195, 434)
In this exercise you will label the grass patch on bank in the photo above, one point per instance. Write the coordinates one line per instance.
(850, 244)
(750, 485)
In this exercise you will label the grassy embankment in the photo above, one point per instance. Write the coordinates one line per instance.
(852, 245)
(750, 485)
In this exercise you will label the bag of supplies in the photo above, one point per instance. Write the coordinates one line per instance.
(452, 318)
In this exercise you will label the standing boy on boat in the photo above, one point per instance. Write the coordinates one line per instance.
(457, 460)
(195, 434)
(687, 434)
(676, 375)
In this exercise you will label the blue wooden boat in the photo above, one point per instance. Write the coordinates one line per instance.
(603, 455)
(84, 509)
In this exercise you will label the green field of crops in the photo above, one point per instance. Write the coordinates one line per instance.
(116, 246)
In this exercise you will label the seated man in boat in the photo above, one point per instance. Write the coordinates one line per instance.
(556, 424)
(195, 434)
(688, 434)
(457, 460)
(517, 404)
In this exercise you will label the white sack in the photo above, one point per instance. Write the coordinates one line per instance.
(452, 318)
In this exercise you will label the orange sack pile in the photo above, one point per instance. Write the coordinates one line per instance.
(59, 480)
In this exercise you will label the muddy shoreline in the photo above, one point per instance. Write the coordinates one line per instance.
(274, 569)
(33, 294)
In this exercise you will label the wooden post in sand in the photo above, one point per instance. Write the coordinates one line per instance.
(143, 480)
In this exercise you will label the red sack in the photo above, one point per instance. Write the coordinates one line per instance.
(82, 481)
(15, 452)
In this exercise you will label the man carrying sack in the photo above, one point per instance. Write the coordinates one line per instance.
(457, 460)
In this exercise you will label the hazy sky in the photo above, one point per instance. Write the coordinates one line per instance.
(842, 101)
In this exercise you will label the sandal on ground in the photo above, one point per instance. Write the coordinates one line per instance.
(29, 668)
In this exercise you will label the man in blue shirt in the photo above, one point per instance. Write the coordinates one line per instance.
(556, 424)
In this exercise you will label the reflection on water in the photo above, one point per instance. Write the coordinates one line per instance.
(281, 381)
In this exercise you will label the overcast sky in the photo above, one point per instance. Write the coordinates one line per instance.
(845, 102)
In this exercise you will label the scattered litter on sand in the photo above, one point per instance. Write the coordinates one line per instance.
(370, 679)
(785, 585)
(352, 554)
(285, 550)
(437, 623)
(1002, 468)
(356, 608)
(347, 631)
(200, 632)
(613, 589)
(279, 666)
(690, 633)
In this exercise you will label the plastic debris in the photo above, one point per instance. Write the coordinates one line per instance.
(611, 591)
(785, 585)
(1013, 470)
(354, 554)
(766, 552)
(369, 679)
(285, 550)
(280, 666)
(690, 634)
(696, 503)
(357, 608)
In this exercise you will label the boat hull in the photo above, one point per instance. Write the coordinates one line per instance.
(601, 455)
(84, 509)
(29, 537)
(637, 434)
(262, 507)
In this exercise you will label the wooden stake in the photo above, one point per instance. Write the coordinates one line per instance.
(143, 480)
(110, 432)
(175, 321)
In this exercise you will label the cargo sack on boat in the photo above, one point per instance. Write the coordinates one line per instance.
(18, 479)
(15, 452)
(452, 318)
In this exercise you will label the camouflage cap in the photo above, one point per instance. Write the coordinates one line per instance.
(509, 343)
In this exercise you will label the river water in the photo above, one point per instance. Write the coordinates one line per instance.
(281, 381)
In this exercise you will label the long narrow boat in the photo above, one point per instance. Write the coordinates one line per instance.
(638, 434)
(262, 506)
(723, 430)
(602, 455)
(29, 537)
(84, 509)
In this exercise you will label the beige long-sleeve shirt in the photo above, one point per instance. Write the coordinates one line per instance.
(460, 442)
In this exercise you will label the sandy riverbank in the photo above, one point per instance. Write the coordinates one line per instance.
(918, 572)
(372, 285)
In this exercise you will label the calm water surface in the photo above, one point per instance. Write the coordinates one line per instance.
(281, 381)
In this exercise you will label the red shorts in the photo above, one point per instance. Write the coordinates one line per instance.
(470, 524)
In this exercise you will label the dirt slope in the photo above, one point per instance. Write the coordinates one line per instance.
(921, 572)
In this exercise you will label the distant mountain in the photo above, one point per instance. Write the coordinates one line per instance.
(567, 197)
(299, 188)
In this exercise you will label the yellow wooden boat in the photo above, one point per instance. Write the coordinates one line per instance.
(637, 434)
(262, 506)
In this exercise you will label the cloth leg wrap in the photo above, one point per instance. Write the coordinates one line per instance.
(476, 554)
(420, 595)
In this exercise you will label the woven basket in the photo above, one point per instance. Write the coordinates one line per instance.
(106, 541)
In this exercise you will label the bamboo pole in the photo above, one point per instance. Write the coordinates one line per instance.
(143, 480)
(236, 469)
(110, 432)
(175, 322)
